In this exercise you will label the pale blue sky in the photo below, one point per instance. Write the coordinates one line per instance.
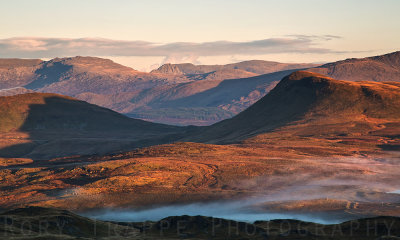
(365, 27)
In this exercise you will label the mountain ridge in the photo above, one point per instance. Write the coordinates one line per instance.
(377, 68)
(186, 95)
(308, 97)
(251, 66)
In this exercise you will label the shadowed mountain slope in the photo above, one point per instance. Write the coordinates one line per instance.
(47, 111)
(56, 125)
(304, 98)
(203, 102)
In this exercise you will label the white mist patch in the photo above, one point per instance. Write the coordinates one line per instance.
(235, 210)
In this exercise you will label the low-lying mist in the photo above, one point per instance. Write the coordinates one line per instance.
(234, 210)
(351, 181)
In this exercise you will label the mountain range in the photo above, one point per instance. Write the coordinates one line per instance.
(32, 123)
(155, 96)
(253, 67)
(302, 104)
(178, 94)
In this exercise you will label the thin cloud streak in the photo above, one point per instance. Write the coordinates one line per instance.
(36, 47)
(326, 37)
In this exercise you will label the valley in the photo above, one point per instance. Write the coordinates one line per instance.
(314, 148)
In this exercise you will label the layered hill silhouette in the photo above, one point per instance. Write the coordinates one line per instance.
(310, 104)
(41, 125)
(28, 223)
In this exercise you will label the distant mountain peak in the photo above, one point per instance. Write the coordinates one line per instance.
(89, 62)
(168, 68)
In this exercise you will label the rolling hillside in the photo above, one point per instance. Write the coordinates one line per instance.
(305, 102)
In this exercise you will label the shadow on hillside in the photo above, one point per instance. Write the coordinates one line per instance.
(232, 89)
(210, 106)
(61, 127)
(48, 74)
